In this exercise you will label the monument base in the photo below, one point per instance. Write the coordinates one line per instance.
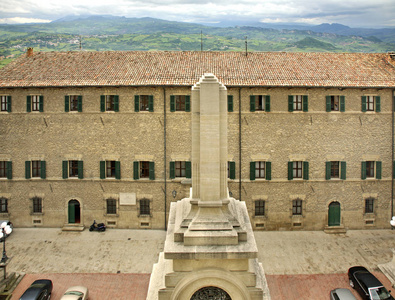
(183, 271)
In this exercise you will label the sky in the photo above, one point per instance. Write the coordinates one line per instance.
(353, 13)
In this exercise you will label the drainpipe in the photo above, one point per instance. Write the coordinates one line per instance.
(164, 151)
(392, 179)
(240, 143)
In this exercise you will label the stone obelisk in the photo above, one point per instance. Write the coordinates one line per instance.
(210, 248)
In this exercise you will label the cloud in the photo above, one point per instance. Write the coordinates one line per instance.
(351, 12)
(19, 20)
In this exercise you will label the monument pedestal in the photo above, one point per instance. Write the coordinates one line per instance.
(182, 270)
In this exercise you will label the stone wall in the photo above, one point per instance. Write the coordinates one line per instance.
(277, 136)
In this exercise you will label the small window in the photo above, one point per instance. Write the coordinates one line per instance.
(144, 103)
(297, 169)
(335, 170)
(231, 170)
(35, 103)
(111, 206)
(37, 205)
(73, 168)
(36, 168)
(73, 103)
(370, 103)
(297, 207)
(180, 103)
(110, 168)
(297, 103)
(144, 169)
(180, 168)
(3, 169)
(144, 207)
(5, 103)
(260, 169)
(335, 103)
(109, 103)
(260, 208)
(370, 169)
(3, 205)
(260, 103)
(369, 205)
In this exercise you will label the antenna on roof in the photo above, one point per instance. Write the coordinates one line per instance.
(246, 46)
(201, 40)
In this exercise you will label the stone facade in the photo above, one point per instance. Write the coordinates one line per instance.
(162, 136)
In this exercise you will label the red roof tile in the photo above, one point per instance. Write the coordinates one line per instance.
(136, 68)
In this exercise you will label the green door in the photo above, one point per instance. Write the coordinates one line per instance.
(334, 214)
(74, 211)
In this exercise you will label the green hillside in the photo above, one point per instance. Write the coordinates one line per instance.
(119, 33)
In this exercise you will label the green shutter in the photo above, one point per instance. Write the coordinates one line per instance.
(305, 103)
(9, 169)
(172, 103)
(187, 103)
(328, 170)
(116, 103)
(252, 170)
(267, 103)
(65, 169)
(43, 170)
(252, 103)
(342, 103)
(79, 104)
(136, 103)
(136, 173)
(290, 103)
(268, 170)
(232, 170)
(378, 104)
(343, 170)
(9, 101)
(151, 170)
(117, 170)
(172, 170)
(328, 103)
(80, 169)
(102, 169)
(151, 103)
(188, 169)
(102, 103)
(306, 170)
(66, 103)
(363, 170)
(28, 174)
(41, 103)
(29, 103)
(378, 169)
(363, 103)
(230, 103)
(290, 170)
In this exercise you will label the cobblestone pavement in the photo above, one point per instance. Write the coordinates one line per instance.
(116, 264)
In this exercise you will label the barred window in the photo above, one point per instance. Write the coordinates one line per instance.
(111, 206)
(37, 205)
(3, 205)
(335, 169)
(369, 208)
(260, 207)
(144, 207)
(296, 207)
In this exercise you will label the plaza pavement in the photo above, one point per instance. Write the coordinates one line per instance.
(116, 264)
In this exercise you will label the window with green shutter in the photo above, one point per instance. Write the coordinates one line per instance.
(80, 169)
(28, 173)
(180, 103)
(172, 103)
(9, 169)
(305, 103)
(151, 170)
(66, 103)
(230, 103)
(232, 170)
(117, 170)
(342, 103)
(188, 169)
(172, 169)
(73, 103)
(259, 103)
(268, 170)
(378, 104)
(151, 103)
(5, 103)
(41, 103)
(109, 103)
(65, 169)
(252, 170)
(378, 169)
(136, 103)
(43, 169)
(102, 169)
(335, 103)
(306, 170)
(29, 103)
(136, 170)
(343, 170)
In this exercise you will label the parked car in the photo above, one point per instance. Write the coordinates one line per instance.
(76, 293)
(39, 290)
(367, 285)
(342, 294)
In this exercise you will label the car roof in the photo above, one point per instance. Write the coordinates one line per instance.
(344, 294)
(367, 278)
(36, 288)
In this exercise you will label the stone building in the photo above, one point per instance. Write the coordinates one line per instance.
(106, 136)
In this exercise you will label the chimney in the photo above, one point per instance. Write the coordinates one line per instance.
(29, 52)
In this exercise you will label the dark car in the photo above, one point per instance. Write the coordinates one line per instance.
(367, 285)
(39, 290)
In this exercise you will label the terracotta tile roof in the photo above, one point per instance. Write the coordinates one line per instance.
(136, 68)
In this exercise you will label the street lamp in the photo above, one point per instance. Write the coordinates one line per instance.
(5, 230)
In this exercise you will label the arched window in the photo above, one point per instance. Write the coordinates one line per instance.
(212, 293)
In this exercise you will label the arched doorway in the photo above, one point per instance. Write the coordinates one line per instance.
(334, 214)
(74, 210)
(211, 293)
